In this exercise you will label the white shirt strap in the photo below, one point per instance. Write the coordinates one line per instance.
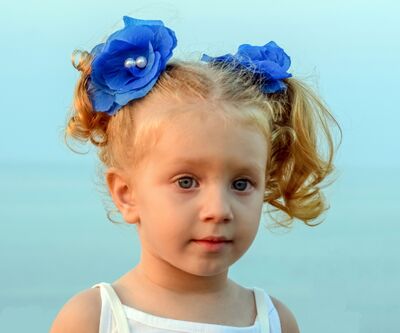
(262, 309)
(116, 308)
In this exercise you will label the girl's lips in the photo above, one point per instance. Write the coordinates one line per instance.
(213, 246)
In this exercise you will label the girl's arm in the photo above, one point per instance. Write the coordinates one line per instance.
(81, 314)
(287, 319)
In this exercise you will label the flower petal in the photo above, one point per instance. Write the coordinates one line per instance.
(113, 109)
(165, 40)
(272, 69)
(97, 49)
(248, 51)
(273, 86)
(100, 99)
(120, 47)
(130, 21)
(138, 83)
(125, 98)
(137, 37)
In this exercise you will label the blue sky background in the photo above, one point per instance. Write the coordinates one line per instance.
(55, 239)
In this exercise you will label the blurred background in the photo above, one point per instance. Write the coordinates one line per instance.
(55, 239)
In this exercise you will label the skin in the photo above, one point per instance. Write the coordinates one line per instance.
(201, 179)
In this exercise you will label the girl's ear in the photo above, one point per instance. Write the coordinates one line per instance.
(123, 195)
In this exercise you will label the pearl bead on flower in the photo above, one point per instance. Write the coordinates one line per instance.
(129, 62)
(140, 62)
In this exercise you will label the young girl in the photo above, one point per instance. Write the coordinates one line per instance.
(192, 151)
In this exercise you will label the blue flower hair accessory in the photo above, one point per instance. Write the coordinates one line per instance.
(268, 62)
(129, 63)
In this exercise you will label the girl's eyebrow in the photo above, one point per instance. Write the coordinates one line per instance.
(241, 165)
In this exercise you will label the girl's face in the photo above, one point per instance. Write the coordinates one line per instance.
(201, 179)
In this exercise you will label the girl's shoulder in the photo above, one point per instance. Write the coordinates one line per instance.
(80, 314)
(286, 317)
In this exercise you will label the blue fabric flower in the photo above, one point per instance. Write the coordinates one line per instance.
(269, 62)
(129, 63)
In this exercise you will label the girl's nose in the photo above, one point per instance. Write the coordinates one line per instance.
(216, 206)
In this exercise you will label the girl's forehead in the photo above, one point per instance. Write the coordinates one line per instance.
(209, 138)
(185, 121)
(208, 114)
(183, 105)
(190, 127)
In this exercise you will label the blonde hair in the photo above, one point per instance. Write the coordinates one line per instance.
(289, 121)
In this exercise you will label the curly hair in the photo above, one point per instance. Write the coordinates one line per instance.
(289, 121)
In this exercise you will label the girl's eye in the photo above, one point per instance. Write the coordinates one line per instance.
(242, 184)
(187, 182)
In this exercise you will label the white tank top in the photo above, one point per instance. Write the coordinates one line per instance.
(119, 318)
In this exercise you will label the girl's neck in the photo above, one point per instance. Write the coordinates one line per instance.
(168, 279)
(219, 301)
